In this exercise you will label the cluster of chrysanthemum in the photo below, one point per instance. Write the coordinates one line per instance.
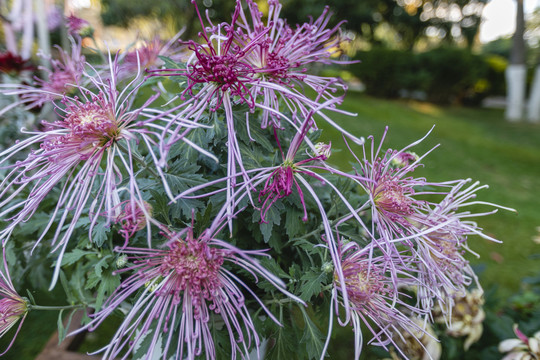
(180, 289)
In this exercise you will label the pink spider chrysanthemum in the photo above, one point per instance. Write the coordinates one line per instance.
(406, 215)
(371, 299)
(217, 78)
(147, 55)
(185, 290)
(281, 62)
(13, 307)
(442, 244)
(396, 198)
(87, 154)
(64, 78)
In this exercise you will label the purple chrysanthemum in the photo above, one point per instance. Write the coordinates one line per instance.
(281, 62)
(185, 290)
(404, 218)
(64, 78)
(13, 307)
(442, 244)
(369, 295)
(396, 198)
(147, 55)
(217, 78)
(77, 26)
(87, 154)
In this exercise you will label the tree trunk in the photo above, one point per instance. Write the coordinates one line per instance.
(533, 108)
(516, 73)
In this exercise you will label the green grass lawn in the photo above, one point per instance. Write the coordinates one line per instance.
(477, 144)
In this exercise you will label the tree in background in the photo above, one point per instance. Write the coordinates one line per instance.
(175, 13)
(516, 72)
(532, 33)
(454, 21)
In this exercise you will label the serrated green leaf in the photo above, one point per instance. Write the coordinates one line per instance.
(108, 285)
(160, 205)
(293, 223)
(311, 337)
(284, 346)
(102, 264)
(271, 265)
(93, 281)
(312, 284)
(273, 217)
(100, 234)
(72, 257)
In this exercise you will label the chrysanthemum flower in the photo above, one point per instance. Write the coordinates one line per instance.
(433, 231)
(13, 307)
(78, 27)
(281, 63)
(369, 295)
(522, 348)
(393, 192)
(442, 242)
(184, 291)
(147, 55)
(133, 217)
(64, 78)
(217, 77)
(466, 317)
(88, 154)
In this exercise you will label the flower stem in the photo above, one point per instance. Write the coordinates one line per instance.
(65, 307)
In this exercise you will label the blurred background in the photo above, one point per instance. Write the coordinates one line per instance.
(471, 67)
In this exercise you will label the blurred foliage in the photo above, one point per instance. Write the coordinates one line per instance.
(454, 21)
(443, 75)
(175, 13)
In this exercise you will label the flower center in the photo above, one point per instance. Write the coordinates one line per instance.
(195, 268)
(277, 65)
(223, 70)
(361, 282)
(94, 118)
(391, 197)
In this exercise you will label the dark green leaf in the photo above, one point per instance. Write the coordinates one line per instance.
(312, 284)
(312, 337)
(72, 257)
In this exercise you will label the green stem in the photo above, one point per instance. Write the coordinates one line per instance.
(65, 307)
